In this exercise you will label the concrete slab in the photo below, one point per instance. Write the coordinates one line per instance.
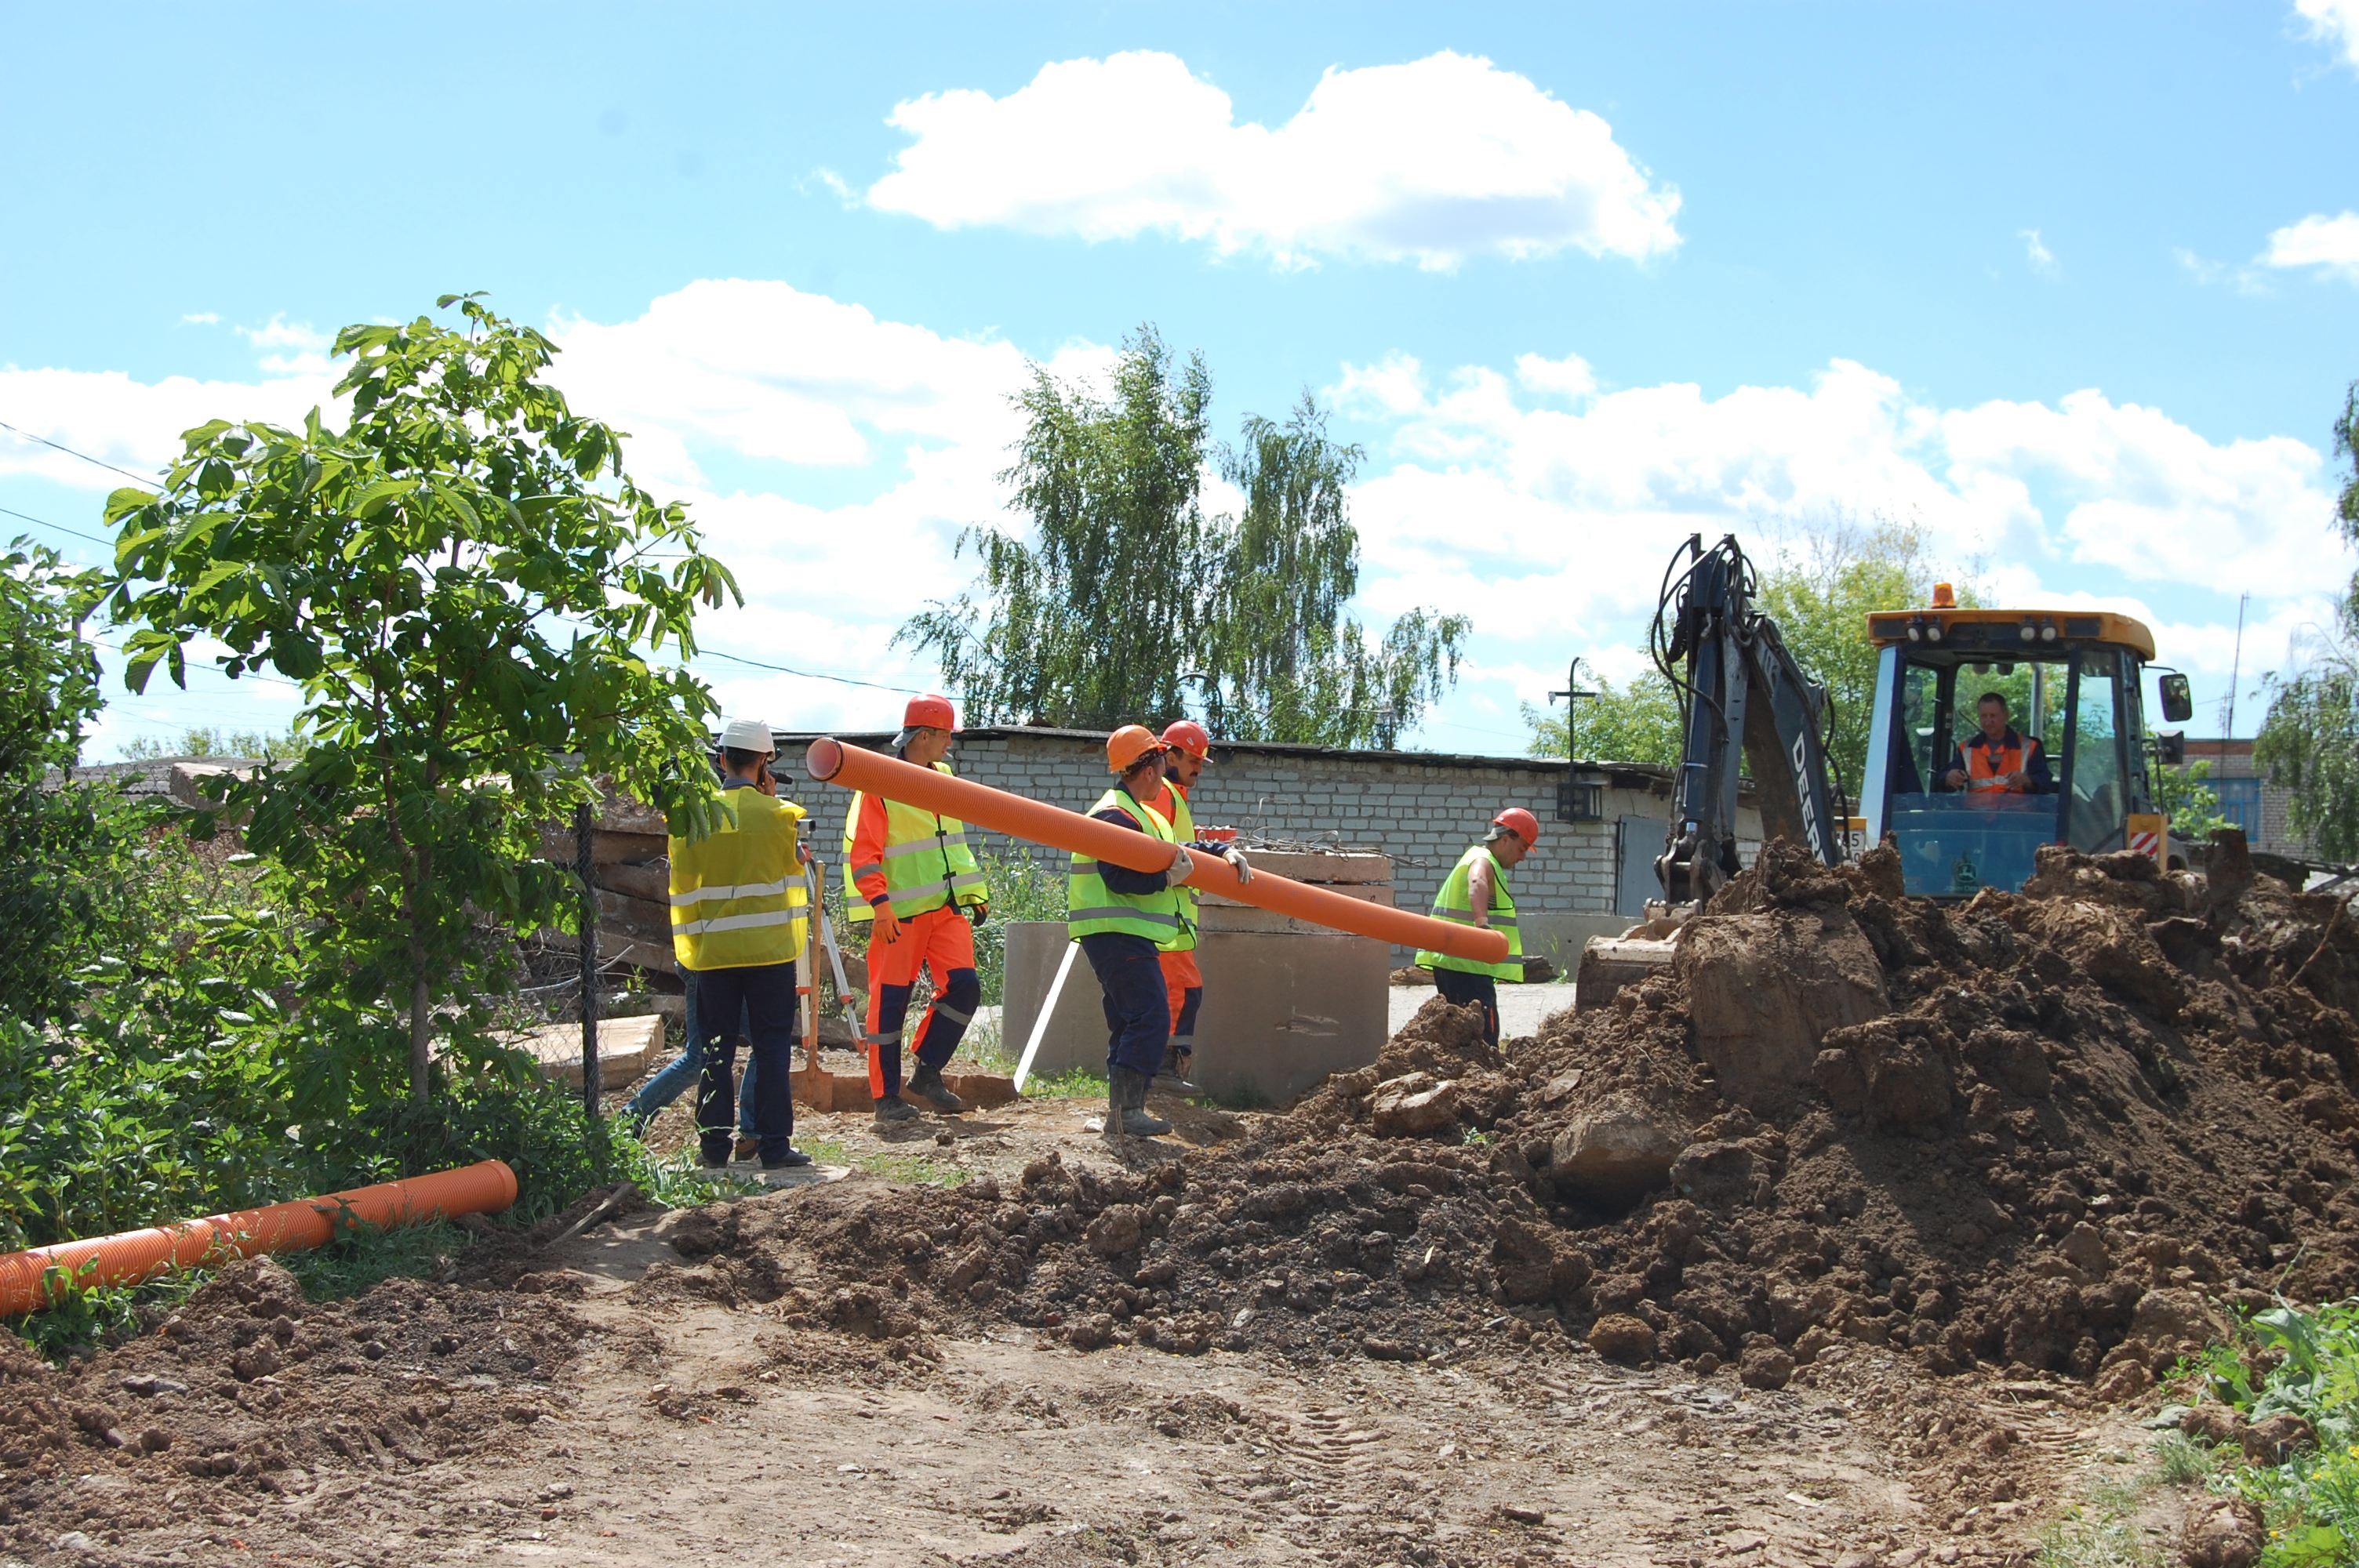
(626, 1047)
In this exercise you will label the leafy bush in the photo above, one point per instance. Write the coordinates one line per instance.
(1021, 889)
(2304, 1364)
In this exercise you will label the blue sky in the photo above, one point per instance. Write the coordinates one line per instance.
(2072, 285)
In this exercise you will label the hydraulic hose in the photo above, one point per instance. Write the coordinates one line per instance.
(137, 1256)
(829, 761)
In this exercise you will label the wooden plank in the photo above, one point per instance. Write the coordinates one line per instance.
(647, 879)
(636, 915)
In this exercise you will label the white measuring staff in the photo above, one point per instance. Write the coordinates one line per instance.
(1048, 1010)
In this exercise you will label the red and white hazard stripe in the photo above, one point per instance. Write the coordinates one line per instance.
(2146, 843)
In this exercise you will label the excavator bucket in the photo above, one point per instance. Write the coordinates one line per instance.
(1610, 963)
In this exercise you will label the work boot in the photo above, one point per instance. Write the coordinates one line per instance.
(1175, 1064)
(928, 1081)
(1127, 1094)
(746, 1148)
(895, 1109)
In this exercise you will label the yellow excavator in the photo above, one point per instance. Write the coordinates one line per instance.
(2073, 681)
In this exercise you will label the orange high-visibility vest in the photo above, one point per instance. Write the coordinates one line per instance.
(1987, 766)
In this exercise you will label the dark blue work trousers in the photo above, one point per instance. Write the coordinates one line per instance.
(764, 996)
(1137, 1003)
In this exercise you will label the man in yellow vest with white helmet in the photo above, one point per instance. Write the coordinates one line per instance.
(739, 911)
(911, 874)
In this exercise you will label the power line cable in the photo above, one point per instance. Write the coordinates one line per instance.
(148, 478)
(45, 522)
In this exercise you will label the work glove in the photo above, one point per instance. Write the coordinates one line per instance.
(888, 924)
(976, 913)
(1181, 866)
(1237, 858)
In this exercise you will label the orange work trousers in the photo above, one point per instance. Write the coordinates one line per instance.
(1185, 984)
(941, 941)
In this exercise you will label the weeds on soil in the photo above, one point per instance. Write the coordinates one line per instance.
(2293, 1362)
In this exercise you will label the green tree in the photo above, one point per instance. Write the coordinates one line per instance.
(461, 581)
(2185, 796)
(58, 849)
(2309, 741)
(1126, 596)
(204, 740)
(1639, 723)
(1820, 592)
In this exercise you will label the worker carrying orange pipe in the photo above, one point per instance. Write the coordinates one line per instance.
(910, 875)
(1476, 894)
(1187, 751)
(829, 761)
(1124, 918)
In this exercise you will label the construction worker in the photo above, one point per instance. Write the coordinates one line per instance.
(739, 910)
(1998, 761)
(911, 876)
(1476, 893)
(1187, 749)
(1122, 918)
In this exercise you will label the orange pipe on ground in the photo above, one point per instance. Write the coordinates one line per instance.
(829, 761)
(135, 1255)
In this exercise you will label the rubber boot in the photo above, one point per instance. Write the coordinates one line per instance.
(895, 1109)
(927, 1082)
(1174, 1075)
(1129, 1086)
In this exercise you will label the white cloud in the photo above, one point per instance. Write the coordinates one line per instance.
(309, 346)
(2330, 244)
(130, 424)
(1432, 161)
(201, 319)
(2035, 251)
(2334, 23)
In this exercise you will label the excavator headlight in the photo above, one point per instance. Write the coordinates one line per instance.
(2048, 630)
(2030, 631)
(1916, 628)
(1932, 631)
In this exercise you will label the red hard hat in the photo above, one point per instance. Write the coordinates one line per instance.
(1126, 745)
(1187, 735)
(929, 712)
(1521, 823)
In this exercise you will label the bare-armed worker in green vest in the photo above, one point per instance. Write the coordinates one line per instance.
(1476, 893)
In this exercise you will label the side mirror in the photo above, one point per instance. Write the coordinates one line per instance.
(2178, 707)
(2171, 748)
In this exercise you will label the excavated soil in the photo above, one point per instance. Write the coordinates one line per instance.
(1844, 1241)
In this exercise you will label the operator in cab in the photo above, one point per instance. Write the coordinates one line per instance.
(1998, 760)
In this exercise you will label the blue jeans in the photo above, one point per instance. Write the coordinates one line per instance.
(683, 1071)
(765, 995)
(1137, 1003)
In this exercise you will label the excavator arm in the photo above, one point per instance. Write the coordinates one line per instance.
(1741, 696)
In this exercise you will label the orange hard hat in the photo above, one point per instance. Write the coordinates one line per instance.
(1126, 745)
(929, 712)
(1521, 823)
(1187, 735)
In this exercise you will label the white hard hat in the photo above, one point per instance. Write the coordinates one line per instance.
(747, 735)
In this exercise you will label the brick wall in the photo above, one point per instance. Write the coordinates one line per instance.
(1422, 808)
(2233, 759)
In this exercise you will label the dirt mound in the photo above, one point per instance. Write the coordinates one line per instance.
(248, 1389)
(2043, 1133)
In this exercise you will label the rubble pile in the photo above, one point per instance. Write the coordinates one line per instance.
(2045, 1132)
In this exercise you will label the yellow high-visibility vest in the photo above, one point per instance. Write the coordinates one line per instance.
(1455, 904)
(738, 898)
(928, 862)
(1091, 907)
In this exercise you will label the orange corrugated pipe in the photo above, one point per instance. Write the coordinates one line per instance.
(135, 1255)
(831, 762)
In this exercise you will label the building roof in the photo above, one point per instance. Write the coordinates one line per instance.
(1620, 775)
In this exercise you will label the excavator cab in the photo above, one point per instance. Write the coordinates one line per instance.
(2073, 681)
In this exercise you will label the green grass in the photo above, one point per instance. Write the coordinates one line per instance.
(1078, 1083)
(922, 1170)
(2098, 1539)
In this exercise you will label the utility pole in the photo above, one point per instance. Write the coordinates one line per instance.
(2237, 668)
(1571, 693)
